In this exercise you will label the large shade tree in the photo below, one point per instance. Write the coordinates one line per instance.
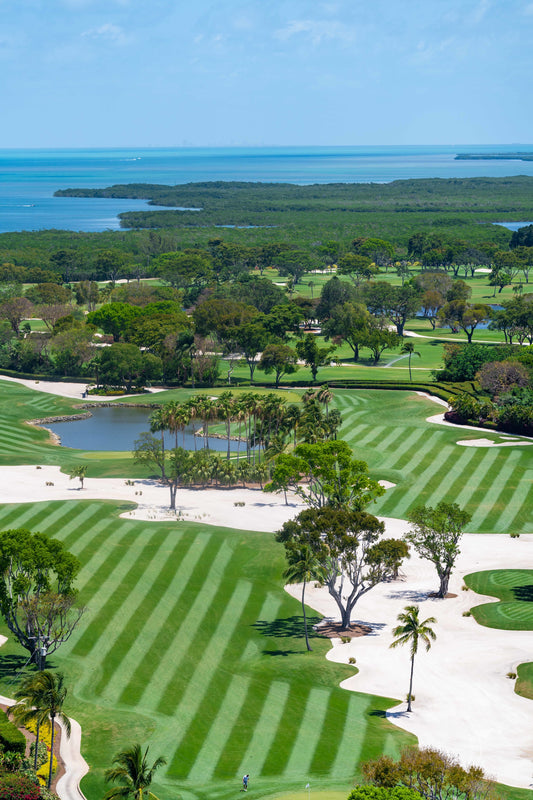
(344, 542)
(37, 595)
(435, 534)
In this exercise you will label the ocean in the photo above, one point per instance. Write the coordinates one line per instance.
(28, 178)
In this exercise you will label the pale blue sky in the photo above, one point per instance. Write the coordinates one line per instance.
(78, 73)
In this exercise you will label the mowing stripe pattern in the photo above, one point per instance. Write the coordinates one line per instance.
(391, 434)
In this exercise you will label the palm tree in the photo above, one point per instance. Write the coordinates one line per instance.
(42, 697)
(158, 425)
(79, 472)
(325, 395)
(304, 567)
(225, 404)
(29, 709)
(408, 347)
(133, 772)
(409, 632)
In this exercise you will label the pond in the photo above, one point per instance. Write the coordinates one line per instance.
(115, 428)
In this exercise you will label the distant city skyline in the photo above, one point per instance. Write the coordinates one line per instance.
(162, 73)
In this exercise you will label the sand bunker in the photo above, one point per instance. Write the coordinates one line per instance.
(464, 703)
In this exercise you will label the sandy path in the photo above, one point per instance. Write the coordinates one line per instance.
(464, 704)
(72, 390)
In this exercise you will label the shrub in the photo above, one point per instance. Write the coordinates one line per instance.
(18, 787)
(42, 753)
(345, 639)
(382, 793)
(497, 377)
(511, 675)
(351, 660)
(467, 613)
(11, 738)
(514, 535)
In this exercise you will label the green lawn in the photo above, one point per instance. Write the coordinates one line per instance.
(514, 612)
(387, 429)
(191, 645)
(514, 587)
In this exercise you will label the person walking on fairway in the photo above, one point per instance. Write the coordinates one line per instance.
(245, 780)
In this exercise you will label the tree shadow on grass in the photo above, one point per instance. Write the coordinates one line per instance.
(287, 628)
(11, 664)
(523, 593)
(282, 652)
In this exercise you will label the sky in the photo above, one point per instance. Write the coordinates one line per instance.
(111, 73)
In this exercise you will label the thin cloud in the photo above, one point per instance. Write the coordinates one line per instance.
(317, 31)
(109, 32)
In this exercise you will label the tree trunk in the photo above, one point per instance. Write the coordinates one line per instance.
(51, 750)
(37, 732)
(411, 683)
(305, 619)
(173, 486)
(444, 581)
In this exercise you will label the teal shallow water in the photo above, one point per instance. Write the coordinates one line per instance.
(28, 178)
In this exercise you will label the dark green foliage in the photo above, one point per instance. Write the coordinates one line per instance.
(11, 738)
(463, 362)
(383, 793)
(523, 237)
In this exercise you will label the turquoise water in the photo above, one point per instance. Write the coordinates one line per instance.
(28, 178)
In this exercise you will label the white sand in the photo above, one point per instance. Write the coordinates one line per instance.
(261, 512)
(72, 390)
(488, 443)
(464, 704)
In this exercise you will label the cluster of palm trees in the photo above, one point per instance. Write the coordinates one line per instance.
(40, 699)
(266, 423)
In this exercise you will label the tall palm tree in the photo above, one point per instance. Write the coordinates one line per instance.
(29, 708)
(225, 404)
(304, 567)
(408, 347)
(47, 692)
(324, 395)
(133, 773)
(410, 632)
(158, 425)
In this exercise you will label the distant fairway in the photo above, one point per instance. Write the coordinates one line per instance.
(388, 430)
(191, 645)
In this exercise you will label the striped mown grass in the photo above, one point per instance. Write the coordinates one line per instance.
(514, 587)
(388, 430)
(190, 645)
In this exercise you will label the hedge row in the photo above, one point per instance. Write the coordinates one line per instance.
(10, 737)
